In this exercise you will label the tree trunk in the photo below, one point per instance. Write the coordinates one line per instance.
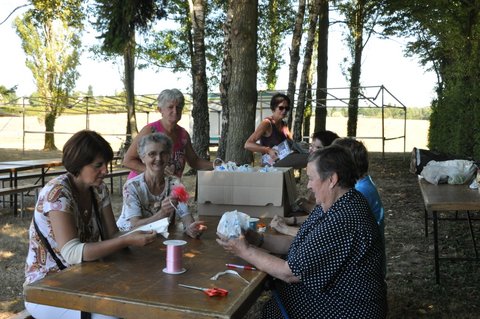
(295, 57)
(225, 83)
(356, 69)
(242, 92)
(129, 83)
(307, 61)
(308, 104)
(201, 123)
(322, 68)
(274, 42)
(50, 118)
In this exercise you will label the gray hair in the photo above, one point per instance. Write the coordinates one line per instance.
(335, 159)
(168, 96)
(154, 138)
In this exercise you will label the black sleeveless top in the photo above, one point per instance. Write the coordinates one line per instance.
(276, 137)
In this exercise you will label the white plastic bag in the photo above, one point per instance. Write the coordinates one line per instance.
(451, 172)
(232, 223)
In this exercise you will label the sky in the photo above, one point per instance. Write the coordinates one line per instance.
(383, 63)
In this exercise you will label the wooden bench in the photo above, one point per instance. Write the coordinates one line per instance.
(22, 190)
(33, 175)
(22, 315)
(117, 173)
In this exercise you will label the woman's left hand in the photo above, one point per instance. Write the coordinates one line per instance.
(196, 229)
(233, 245)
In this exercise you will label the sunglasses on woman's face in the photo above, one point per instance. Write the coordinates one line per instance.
(283, 108)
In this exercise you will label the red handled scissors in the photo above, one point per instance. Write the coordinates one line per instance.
(209, 291)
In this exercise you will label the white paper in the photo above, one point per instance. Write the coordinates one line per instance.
(159, 226)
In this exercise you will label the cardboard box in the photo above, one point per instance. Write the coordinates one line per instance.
(254, 193)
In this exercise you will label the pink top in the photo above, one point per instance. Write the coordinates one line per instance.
(178, 156)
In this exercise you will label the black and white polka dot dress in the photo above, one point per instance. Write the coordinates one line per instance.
(338, 257)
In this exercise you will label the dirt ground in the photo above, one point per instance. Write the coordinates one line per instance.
(412, 292)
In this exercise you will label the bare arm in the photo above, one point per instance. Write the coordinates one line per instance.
(251, 143)
(280, 224)
(131, 159)
(193, 228)
(277, 244)
(166, 210)
(64, 230)
(194, 160)
(262, 260)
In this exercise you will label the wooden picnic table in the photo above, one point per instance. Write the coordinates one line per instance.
(14, 167)
(132, 284)
(448, 199)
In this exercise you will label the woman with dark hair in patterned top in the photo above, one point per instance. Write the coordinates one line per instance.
(73, 221)
(333, 267)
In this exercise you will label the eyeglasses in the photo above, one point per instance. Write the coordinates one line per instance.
(283, 108)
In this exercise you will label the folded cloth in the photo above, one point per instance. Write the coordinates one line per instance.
(160, 227)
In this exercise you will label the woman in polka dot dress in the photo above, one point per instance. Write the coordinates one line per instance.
(333, 267)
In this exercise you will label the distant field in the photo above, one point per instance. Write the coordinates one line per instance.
(111, 126)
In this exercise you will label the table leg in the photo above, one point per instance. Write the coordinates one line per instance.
(426, 221)
(472, 234)
(435, 246)
(43, 175)
(15, 195)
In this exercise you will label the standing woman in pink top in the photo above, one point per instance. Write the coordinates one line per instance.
(170, 105)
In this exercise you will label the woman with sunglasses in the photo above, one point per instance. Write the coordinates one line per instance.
(271, 132)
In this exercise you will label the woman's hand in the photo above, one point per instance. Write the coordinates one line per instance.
(278, 223)
(166, 209)
(141, 238)
(169, 170)
(196, 229)
(273, 154)
(236, 246)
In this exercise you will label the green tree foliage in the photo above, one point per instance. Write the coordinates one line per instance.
(295, 55)
(50, 35)
(172, 46)
(276, 19)
(446, 37)
(361, 17)
(118, 21)
(7, 94)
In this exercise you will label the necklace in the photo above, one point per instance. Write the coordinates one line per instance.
(83, 203)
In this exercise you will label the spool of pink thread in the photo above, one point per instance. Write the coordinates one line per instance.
(174, 257)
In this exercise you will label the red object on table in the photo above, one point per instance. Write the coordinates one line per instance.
(209, 291)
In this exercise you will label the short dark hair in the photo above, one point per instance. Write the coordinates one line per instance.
(278, 98)
(335, 159)
(82, 148)
(154, 138)
(326, 137)
(359, 153)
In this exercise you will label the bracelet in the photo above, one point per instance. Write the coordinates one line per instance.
(294, 221)
(262, 239)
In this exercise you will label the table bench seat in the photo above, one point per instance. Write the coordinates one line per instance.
(32, 175)
(117, 173)
(22, 190)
